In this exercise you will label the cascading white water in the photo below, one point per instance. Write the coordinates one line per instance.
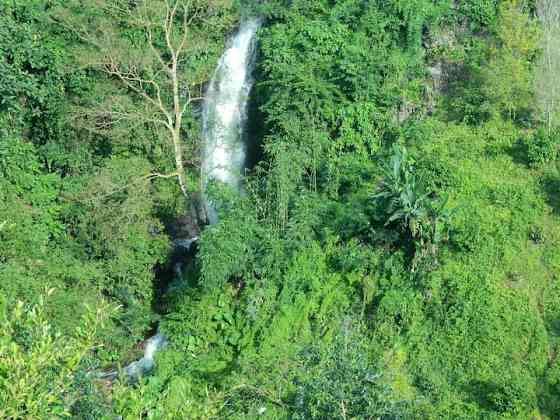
(139, 367)
(225, 112)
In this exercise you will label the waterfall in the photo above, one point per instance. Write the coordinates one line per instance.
(224, 120)
(225, 113)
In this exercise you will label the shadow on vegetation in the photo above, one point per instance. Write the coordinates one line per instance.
(553, 327)
(170, 274)
(483, 393)
(508, 398)
(550, 184)
(518, 152)
(255, 131)
(549, 407)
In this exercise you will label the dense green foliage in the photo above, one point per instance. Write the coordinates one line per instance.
(40, 367)
(396, 253)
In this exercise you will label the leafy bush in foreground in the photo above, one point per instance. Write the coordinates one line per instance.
(340, 382)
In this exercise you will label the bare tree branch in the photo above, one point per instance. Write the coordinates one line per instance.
(155, 74)
(134, 182)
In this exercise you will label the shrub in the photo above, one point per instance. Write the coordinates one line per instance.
(39, 367)
(542, 147)
(339, 382)
(405, 201)
(480, 13)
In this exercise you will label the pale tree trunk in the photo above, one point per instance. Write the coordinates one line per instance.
(178, 111)
(179, 166)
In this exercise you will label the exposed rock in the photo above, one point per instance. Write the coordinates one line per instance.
(190, 224)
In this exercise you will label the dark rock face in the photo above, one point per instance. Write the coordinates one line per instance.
(189, 225)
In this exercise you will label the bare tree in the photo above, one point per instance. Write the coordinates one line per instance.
(159, 81)
(548, 70)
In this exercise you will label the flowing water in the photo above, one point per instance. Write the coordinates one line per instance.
(225, 113)
(225, 144)
(138, 368)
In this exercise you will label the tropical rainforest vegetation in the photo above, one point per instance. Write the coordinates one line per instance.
(395, 254)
